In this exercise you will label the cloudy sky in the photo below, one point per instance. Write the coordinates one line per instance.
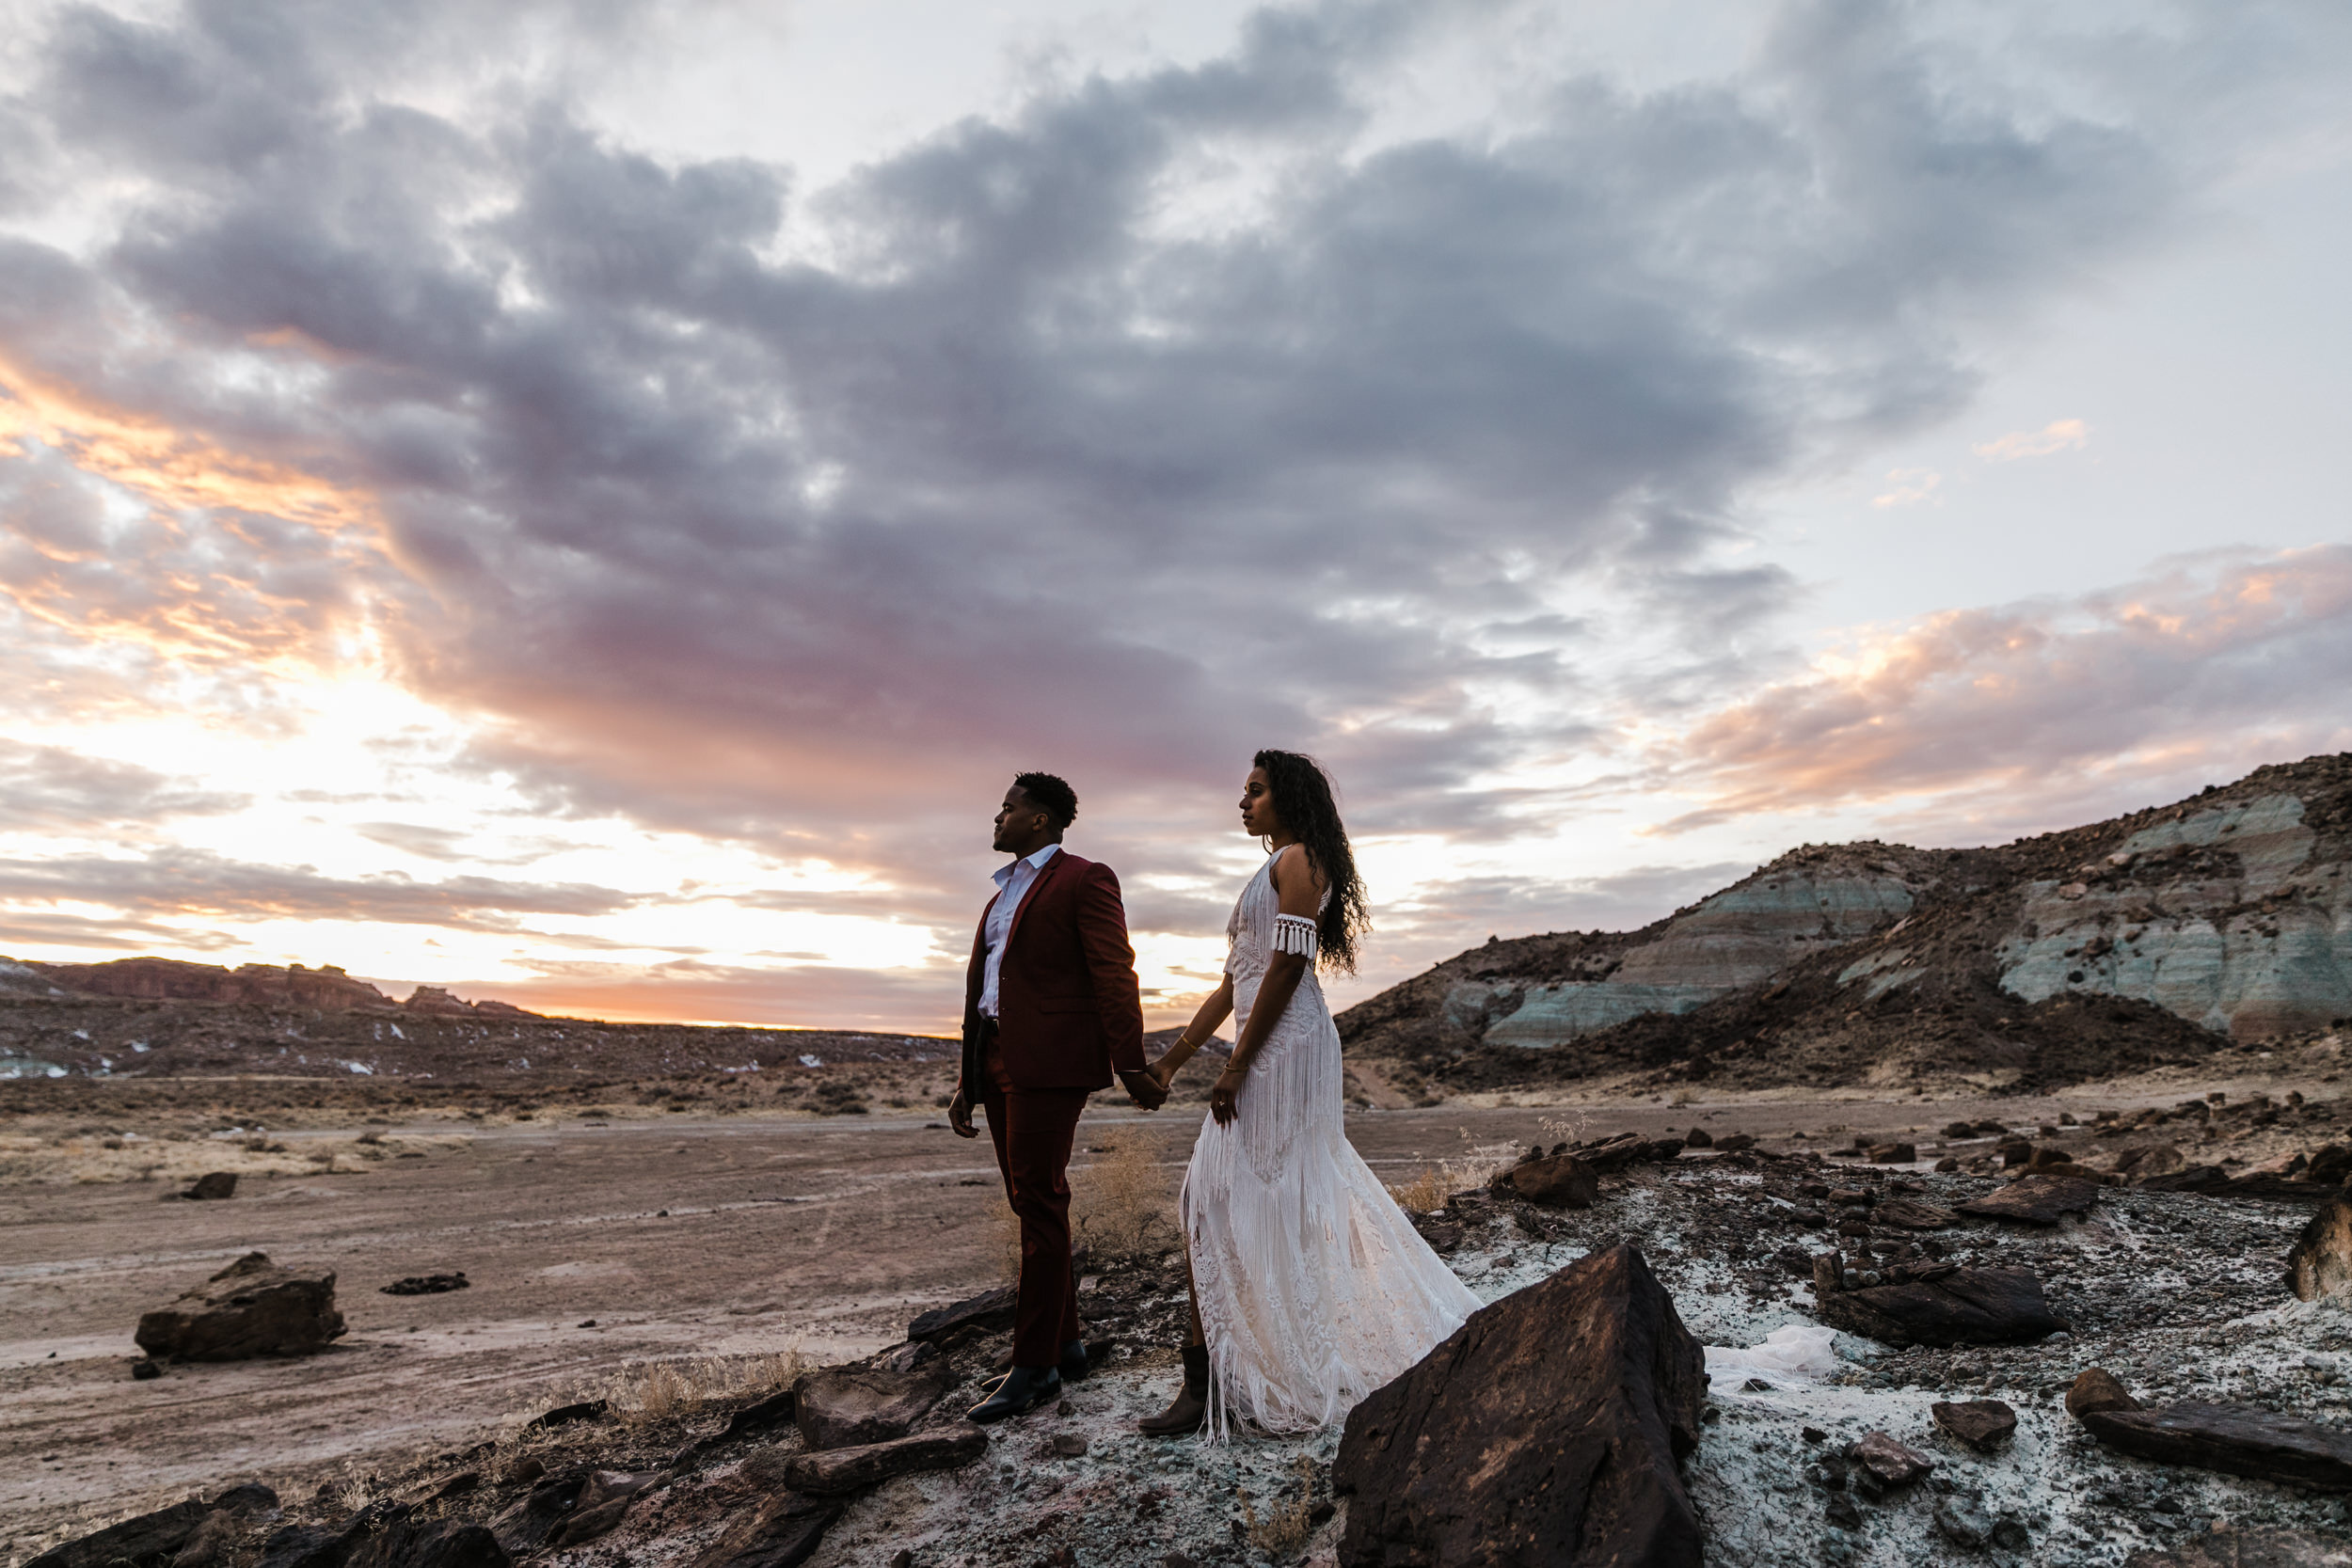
(589, 504)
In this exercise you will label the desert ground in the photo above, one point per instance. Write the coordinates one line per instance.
(597, 1239)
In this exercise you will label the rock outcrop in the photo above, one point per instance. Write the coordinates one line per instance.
(173, 980)
(1548, 1428)
(848, 1406)
(162, 1537)
(1952, 1305)
(251, 1307)
(2128, 942)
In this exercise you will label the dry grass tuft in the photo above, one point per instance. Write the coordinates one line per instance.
(354, 1489)
(1425, 1193)
(650, 1392)
(1126, 1203)
(1474, 1167)
(1287, 1522)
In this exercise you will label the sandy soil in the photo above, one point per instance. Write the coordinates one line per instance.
(676, 1234)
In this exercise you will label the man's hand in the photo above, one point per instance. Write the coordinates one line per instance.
(1143, 1088)
(960, 1117)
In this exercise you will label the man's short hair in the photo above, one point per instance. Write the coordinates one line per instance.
(1055, 798)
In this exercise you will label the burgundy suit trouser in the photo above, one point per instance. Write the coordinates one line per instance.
(1033, 1129)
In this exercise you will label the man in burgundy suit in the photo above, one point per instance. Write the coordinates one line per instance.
(1051, 1008)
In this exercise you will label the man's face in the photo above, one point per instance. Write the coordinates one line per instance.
(1019, 822)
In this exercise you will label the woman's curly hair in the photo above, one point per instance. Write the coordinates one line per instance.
(1303, 801)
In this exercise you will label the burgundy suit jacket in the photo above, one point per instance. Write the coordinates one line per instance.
(1069, 1009)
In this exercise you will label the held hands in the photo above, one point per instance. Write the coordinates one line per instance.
(960, 1117)
(1144, 1087)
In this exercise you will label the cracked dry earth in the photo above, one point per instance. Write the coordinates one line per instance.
(847, 1235)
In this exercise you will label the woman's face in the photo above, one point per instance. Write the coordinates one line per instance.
(1258, 816)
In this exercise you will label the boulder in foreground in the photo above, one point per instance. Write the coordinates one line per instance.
(2037, 1199)
(1554, 1181)
(989, 1309)
(165, 1536)
(2231, 1438)
(1965, 1306)
(836, 1471)
(2320, 1263)
(1548, 1428)
(846, 1406)
(251, 1307)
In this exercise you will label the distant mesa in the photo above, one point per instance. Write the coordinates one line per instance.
(326, 987)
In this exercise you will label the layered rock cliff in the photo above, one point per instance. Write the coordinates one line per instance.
(2145, 937)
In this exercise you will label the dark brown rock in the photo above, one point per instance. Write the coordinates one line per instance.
(843, 1406)
(1698, 1137)
(2320, 1262)
(836, 1471)
(1984, 1425)
(1894, 1464)
(1966, 1307)
(147, 1541)
(2235, 1440)
(2251, 1548)
(781, 1532)
(251, 1307)
(1547, 1428)
(1891, 1154)
(528, 1523)
(1733, 1143)
(2331, 1167)
(989, 1309)
(402, 1539)
(1555, 1182)
(1905, 1213)
(2097, 1389)
(2036, 1200)
(604, 1499)
(212, 1186)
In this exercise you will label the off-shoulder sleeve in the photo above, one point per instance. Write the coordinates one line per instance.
(1295, 933)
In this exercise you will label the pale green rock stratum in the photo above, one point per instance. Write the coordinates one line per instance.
(2230, 911)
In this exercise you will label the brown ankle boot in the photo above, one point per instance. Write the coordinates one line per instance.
(1191, 1405)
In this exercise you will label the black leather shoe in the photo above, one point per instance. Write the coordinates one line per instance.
(1023, 1390)
(1073, 1367)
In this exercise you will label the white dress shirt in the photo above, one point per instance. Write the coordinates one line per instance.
(1013, 884)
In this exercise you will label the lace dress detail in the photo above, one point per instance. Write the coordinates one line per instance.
(1314, 1288)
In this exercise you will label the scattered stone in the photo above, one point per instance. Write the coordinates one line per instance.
(1068, 1444)
(1963, 1521)
(989, 1309)
(2035, 1200)
(1813, 1435)
(1905, 1213)
(2097, 1389)
(836, 1471)
(2011, 1534)
(2235, 1440)
(428, 1284)
(1698, 1137)
(402, 1539)
(2320, 1263)
(146, 1368)
(1580, 1397)
(564, 1415)
(2249, 1548)
(838, 1407)
(1555, 1182)
(251, 1307)
(1841, 1511)
(211, 1187)
(1984, 1425)
(2331, 1167)
(1894, 1464)
(604, 1501)
(1891, 1154)
(152, 1540)
(1627, 1149)
(528, 1523)
(1732, 1143)
(1965, 1306)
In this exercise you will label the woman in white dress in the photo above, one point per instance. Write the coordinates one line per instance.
(1309, 1287)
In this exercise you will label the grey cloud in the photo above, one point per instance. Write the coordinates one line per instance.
(197, 883)
(53, 790)
(815, 553)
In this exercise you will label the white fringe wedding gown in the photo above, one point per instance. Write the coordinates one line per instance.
(1314, 1288)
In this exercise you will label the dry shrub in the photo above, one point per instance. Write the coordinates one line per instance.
(1288, 1522)
(354, 1490)
(1473, 1167)
(1125, 1207)
(650, 1392)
